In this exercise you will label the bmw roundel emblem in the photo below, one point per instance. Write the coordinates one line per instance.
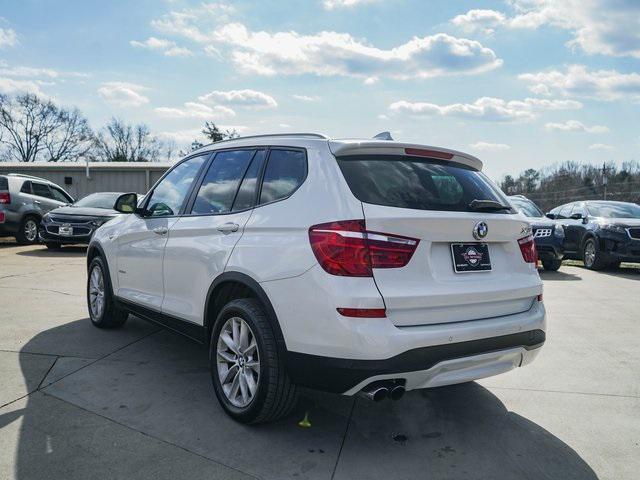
(480, 230)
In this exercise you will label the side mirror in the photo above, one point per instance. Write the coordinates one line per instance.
(550, 216)
(576, 216)
(126, 203)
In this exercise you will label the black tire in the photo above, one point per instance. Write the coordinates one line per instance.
(597, 261)
(552, 265)
(615, 265)
(24, 235)
(275, 395)
(53, 246)
(110, 315)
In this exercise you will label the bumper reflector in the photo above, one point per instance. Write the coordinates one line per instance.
(363, 312)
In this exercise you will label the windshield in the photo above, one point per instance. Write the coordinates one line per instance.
(422, 184)
(527, 207)
(613, 210)
(98, 200)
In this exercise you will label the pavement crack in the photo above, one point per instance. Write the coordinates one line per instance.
(47, 374)
(344, 437)
(541, 390)
(41, 290)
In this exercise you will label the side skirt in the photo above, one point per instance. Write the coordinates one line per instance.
(184, 327)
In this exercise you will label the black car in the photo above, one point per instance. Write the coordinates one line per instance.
(601, 233)
(75, 224)
(548, 235)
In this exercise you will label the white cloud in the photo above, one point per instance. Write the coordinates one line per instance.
(487, 108)
(167, 47)
(489, 147)
(306, 98)
(196, 110)
(325, 53)
(331, 4)
(8, 37)
(600, 146)
(332, 53)
(606, 27)
(371, 80)
(123, 94)
(245, 98)
(579, 82)
(11, 86)
(576, 126)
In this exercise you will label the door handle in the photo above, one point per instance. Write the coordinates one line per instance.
(161, 230)
(37, 202)
(228, 227)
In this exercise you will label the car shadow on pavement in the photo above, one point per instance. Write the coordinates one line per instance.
(558, 275)
(44, 252)
(159, 386)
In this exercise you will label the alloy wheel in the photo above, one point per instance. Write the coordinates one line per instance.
(589, 254)
(238, 362)
(30, 230)
(96, 292)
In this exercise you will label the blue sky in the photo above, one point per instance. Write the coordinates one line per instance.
(519, 83)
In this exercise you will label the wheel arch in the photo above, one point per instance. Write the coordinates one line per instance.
(231, 285)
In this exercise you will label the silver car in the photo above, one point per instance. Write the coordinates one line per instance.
(23, 202)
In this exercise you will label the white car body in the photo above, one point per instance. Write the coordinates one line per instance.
(439, 327)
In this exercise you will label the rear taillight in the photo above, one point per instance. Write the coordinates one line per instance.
(528, 249)
(5, 198)
(1, 217)
(346, 248)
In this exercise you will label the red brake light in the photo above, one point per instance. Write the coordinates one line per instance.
(346, 248)
(363, 312)
(528, 249)
(1, 217)
(5, 198)
(421, 152)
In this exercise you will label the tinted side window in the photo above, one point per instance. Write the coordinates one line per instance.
(246, 196)
(169, 195)
(4, 183)
(26, 187)
(286, 170)
(40, 190)
(59, 195)
(221, 182)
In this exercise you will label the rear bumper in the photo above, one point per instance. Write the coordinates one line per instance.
(424, 367)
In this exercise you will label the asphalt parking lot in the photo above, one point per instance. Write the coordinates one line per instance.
(77, 402)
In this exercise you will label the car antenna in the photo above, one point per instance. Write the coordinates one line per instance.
(384, 136)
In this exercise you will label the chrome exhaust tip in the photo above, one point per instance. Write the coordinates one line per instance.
(396, 392)
(374, 393)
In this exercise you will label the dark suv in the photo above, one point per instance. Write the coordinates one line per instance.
(548, 235)
(601, 233)
(23, 202)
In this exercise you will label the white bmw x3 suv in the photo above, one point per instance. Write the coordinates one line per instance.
(347, 266)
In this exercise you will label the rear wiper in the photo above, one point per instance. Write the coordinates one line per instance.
(488, 205)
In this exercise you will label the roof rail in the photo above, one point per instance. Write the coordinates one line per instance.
(22, 175)
(267, 135)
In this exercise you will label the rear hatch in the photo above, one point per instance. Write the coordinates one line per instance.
(432, 200)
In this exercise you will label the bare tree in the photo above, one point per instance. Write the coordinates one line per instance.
(213, 133)
(121, 142)
(72, 140)
(27, 121)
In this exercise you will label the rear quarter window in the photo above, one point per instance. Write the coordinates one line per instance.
(285, 172)
(4, 184)
(416, 183)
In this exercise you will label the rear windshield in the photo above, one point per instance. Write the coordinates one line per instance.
(421, 184)
(4, 184)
